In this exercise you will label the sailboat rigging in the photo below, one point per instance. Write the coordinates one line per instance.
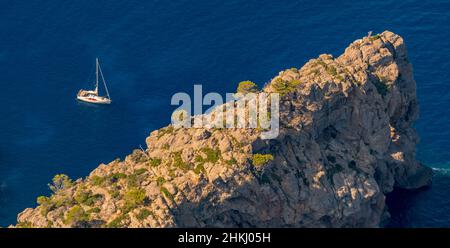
(92, 96)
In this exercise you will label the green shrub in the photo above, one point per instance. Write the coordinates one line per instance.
(212, 155)
(164, 131)
(117, 176)
(62, 200)
(132, 181)
(97, 180)
(199, 169)
(140, 171)
(46, 204)
(179, 163)
(115, 193)
(85, 197)
(235, 142)
(143, 214)
(75, 215)
(81, 196)
(374, 37)
(322, 63)
(25, 224)
(315, 72)
(232, 161)
(106, 180)
(180, 115)
(135, 179)
(117, 222)
(331, 70)
(261, 159)
(60, 182)
(340, 78)
(167, 193)
(155, 162)
(160, 181)
(172, 173)
(199, 159)
(43, 200)
(94, 210)
(245, 87)
(283, 87)
(133, 198)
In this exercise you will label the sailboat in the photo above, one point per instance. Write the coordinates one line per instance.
(92, 96)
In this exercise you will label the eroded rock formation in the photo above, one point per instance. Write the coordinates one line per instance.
(346, 139)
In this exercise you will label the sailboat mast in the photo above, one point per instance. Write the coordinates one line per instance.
(96, 74)
(104, 82)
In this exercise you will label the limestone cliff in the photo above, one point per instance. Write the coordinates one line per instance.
(346, 139)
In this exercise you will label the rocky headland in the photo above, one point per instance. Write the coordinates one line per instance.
(346, 140)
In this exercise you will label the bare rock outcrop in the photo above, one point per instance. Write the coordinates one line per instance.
(346, 139)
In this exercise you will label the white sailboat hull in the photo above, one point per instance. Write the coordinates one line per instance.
(94, 99)
(91, 96)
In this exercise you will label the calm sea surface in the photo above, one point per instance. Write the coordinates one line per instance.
(153, 49)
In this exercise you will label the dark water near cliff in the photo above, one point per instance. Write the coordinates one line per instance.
(152, 50)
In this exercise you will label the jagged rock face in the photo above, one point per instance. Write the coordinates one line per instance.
(346, 140)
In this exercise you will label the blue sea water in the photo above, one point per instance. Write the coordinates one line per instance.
(152, 49)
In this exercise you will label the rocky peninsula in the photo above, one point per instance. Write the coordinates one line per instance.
(346, 140)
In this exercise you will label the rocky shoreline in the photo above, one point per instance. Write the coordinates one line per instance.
(346, 140)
